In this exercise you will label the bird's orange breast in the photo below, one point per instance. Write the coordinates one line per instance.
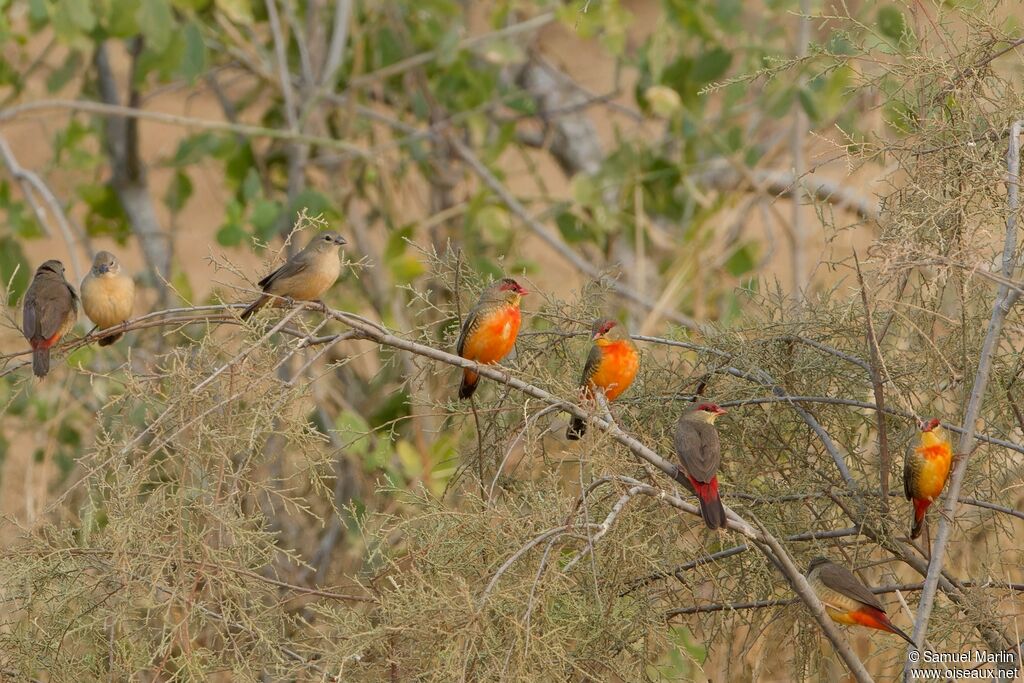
(936, 456)
(494, 336)
(617, 369)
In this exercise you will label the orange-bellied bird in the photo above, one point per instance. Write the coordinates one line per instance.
(847, 600)
(50, 311)
(611, 367)
(700, 452)
(490, 329)
(925, 471)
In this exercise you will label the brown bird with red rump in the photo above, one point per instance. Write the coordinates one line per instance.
(699, 451)
(490, 329)
(50, 311)
(847, 600)
(925, 471)
(611, 367)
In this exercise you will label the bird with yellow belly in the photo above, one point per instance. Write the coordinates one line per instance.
(926, 470)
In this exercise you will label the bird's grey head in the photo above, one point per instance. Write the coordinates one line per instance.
(105, 263)
(327, 240)
(817, 562)
(53, 265)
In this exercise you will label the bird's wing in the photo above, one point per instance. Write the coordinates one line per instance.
(590, 367)
(698, 448)
(61, 300)
(842, 580)
(29, 321)
(907, 471)
(290, 268)
(471, 323)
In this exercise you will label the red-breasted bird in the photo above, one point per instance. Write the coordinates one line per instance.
(490, 329)
(846, 599)
(925, 471)
(611, 366)
(50, 311)
(700, 453)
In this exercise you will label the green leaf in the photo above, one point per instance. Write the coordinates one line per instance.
(60, 76)
(182, 285)
(231, 234)
(573, 228)
(195, 148)
(14, 269)
(239, 11)
(354, 432)
(193, 62)
(264, 216)
(448, 48)
(251, 185)
(891, 23)
(742, 261)
(315, 203)
(178, 191)
(120, 19)
(711, 65)
(72, 19)
(156, 22)
(394, 407)
(809, 105)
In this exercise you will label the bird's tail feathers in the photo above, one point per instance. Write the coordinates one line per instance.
(469, 381)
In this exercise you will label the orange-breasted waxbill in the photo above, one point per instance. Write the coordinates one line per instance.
(846, 599)
(489, 331)
(925, 470)
(611, 367)
(699, 451)
(50, 311)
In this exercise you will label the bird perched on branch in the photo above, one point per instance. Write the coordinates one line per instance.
(925, 470)
(305, 276)
(611, 367)
(50, 311)
(699, 451)
(108, 295)
(490, 329)
(846, 599)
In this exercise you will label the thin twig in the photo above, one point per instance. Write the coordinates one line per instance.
(876, 385)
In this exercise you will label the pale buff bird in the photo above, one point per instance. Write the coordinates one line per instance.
(108, 295)
(305, 276)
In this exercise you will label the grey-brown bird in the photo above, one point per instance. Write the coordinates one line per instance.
(489, 331)
(305, 276)
(699, 451)
(108, 295)
(846, 599)
(50, 311)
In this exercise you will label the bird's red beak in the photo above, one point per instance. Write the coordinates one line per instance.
(721, 411)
